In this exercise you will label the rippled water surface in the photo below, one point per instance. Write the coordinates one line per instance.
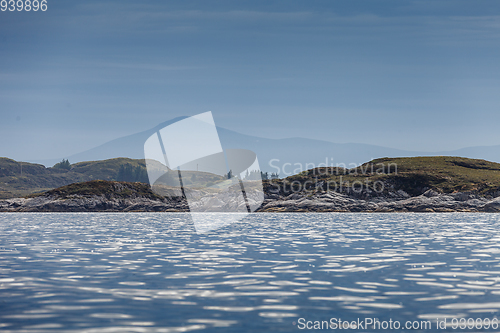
(150, 272)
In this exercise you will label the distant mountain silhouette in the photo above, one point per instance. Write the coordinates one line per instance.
(299, 152)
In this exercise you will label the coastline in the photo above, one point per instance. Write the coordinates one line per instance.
(428, 202)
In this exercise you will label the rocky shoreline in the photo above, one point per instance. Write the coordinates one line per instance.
(430, 201)
(94, 203)
(131, 197)
(417, 184)
(96, 196)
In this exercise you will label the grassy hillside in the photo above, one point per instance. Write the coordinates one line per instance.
(21, 178)
(444, 174)
(108, 189)
(413, 175)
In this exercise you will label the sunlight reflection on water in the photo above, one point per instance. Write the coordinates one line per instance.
(150, 272)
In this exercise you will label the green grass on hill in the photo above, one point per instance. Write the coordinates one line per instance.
(108, 189)
(445, 174)
(414, 175)
(106, 169)
(22, 178)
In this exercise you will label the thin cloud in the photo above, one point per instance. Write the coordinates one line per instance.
(152, 67)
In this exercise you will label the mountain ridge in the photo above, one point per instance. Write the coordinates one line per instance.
(294, 150)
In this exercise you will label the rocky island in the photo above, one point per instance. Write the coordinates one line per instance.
(419, 184)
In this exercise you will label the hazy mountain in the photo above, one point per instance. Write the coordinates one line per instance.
(276, 153)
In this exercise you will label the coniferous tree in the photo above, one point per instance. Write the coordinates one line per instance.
(64, 164)
(140, 174)
(127, 173)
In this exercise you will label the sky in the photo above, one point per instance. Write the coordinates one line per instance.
(413, 75)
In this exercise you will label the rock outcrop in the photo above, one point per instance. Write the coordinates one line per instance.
(110, 196)
(97, 196)
(430, 201)
(102, 196)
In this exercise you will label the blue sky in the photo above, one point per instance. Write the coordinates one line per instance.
(417, 75)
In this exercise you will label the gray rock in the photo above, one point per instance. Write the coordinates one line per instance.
(430, 193)
(89, 204)
(430, 201)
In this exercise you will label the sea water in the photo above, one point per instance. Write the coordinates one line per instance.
(151, 272)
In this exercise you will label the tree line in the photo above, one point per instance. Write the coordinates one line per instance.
(64, 164)
(128, 173)
(256, 175)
